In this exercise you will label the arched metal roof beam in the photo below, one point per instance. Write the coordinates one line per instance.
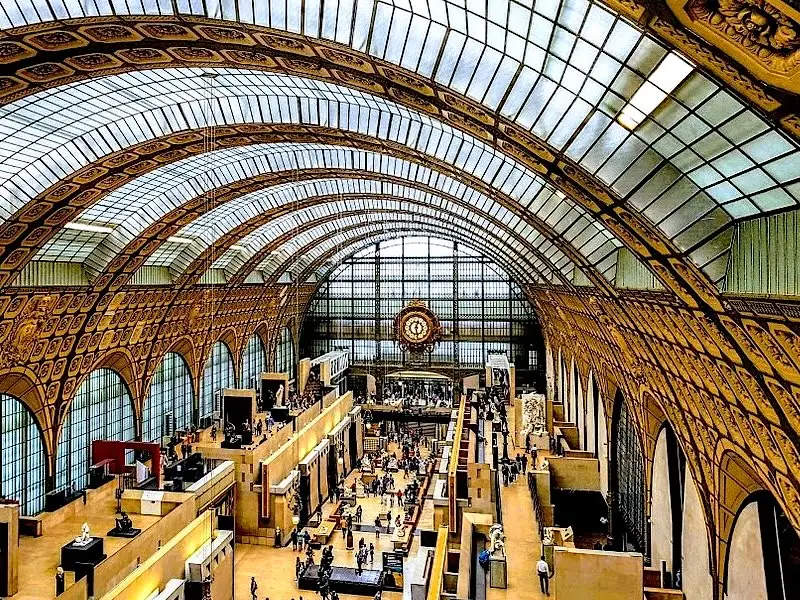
(278, 50)
(259, 232)
(356, 234)
(318, 233)
(40, 219)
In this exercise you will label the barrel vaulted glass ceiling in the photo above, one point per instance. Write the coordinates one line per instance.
(372, 209)
(311, 248)
(565, 70)
(135, 206)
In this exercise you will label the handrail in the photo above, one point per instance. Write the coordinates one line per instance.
(453, 468)
(537, 504)
(437, 570)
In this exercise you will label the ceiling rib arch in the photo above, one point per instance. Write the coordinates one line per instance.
(332, 225)
(320, 242)
(432, 170)
(446, 87)
(335, 247)
(233, 197)
(637, 232)
(261, 231)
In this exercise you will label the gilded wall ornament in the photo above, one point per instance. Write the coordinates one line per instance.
(762, 35)
(28, 324)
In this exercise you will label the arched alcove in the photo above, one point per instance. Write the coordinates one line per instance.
(627, 479)
(254, 360)
(170, 402)
(602, 446)
(763, 561)
(579, 406)
(218, 374)
(666, 501)
(22, 456)
(102, 409)
(592, 400)
(696, 580)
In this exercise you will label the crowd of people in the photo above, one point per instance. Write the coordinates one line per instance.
(410, 394)
(301, 401)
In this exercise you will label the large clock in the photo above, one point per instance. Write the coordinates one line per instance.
(417, 327)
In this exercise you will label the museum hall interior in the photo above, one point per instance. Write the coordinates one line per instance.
(399, 299)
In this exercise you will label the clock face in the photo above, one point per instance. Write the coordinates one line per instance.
(416, 328)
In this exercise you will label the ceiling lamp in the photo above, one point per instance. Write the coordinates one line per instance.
(654, 90)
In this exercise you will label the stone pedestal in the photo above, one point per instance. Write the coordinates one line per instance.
(89, 554)
(497, 572)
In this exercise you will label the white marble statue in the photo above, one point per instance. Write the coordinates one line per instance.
(497, 539)
(548, 536)
(279, 396)
(533, 414)
(84, 538)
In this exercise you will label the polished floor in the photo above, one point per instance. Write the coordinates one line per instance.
(39, 556)
(274, 568)
(523, 545)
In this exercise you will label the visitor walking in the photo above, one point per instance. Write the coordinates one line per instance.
(543, 571)
(253, 588)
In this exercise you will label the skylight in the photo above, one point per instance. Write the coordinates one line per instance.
(179, 240)
(77, 226)
(654, 90)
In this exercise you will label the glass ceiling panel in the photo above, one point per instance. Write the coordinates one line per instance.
(208, 228)
(562, 69)
(234, 258)
(110, 113)
(142, 202)
(343, 243)
(392, 246)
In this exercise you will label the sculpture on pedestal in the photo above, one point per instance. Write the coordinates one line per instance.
(533, 414)
(124, 527)
(124, 523)
(497, 539)
(84, 538)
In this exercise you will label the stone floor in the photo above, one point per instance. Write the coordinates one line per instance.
(40, 556)
(523, 545)
(274, 568)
